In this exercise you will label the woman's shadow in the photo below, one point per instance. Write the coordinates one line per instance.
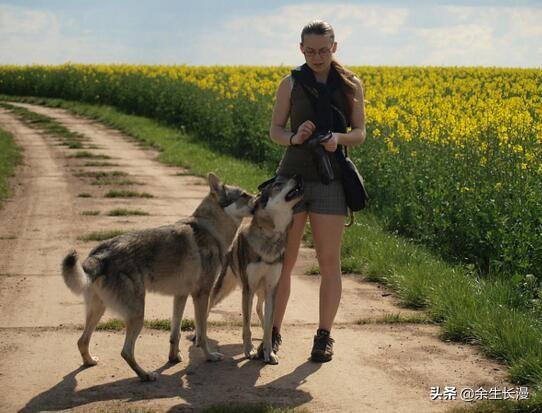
(198, 384)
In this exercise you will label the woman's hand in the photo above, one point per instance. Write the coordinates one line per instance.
(305, 130)
(331, 144)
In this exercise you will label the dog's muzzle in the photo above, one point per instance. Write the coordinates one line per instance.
(297, 190)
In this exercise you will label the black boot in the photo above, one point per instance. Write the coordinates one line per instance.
(322, 349)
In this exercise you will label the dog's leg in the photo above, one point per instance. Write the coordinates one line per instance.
(95, 309)
(133, 328)
(269, 355)
(179, 302)
(201, 305)
(248, 297)
(259, 305)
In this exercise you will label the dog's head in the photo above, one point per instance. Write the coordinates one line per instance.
(235, 201)
(278, 198)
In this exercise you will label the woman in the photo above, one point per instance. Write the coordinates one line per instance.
(323, 204)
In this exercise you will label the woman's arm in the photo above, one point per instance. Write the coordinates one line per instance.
(281, 110)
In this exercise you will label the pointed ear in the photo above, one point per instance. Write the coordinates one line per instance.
(214, 182)
(253, 203)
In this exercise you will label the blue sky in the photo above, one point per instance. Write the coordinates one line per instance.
(205, 32)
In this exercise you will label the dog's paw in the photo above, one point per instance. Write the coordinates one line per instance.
(151, 376)
(252, 354)
(215, 356)
(271, 359)
(90, 361)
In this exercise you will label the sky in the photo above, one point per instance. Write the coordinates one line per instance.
(241, 32)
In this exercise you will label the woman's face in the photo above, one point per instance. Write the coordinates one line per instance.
(318, 50)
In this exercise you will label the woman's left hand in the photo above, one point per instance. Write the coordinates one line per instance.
(331, 144)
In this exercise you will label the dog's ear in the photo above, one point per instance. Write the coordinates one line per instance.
(214, 183)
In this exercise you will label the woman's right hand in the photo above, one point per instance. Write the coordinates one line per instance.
(304, 132)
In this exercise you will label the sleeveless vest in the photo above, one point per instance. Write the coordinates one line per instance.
(298, 159)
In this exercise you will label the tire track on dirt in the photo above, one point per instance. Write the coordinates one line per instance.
(376, 367)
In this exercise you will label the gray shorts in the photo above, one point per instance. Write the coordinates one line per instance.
(321, 198)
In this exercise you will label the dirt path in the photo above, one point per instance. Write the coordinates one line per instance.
(377, 367)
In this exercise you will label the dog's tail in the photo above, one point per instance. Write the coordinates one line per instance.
(224, 285)
(73, 273)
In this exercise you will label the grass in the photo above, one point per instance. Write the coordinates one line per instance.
(90, 212)
(87, 154)
(116, 325)
(121, 193)
(120, 212)
(84, 195)
(100, 174)
(10, 157)
(50, 126)
(396, 318)
(102, 235)
(115, 182)
(99, 164)
(488, 312)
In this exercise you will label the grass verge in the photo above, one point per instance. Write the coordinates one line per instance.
(490, 313)
(10, 157)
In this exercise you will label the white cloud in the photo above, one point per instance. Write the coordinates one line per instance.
(367, 34)
(37, 36)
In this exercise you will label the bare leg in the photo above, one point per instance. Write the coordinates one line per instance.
(201, 305)
(133, 328)
(248, 297)
(95, 309)
(327, 232)
(179, 303)
(295, 234)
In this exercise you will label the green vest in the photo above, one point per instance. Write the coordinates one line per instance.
(298, 159)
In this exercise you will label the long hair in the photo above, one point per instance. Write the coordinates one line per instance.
(348, 84)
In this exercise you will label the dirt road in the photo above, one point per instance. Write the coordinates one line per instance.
(377, 367)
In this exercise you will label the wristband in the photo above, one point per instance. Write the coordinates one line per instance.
(291, 137)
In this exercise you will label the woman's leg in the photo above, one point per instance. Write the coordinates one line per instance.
(327, 231)
(295, 233)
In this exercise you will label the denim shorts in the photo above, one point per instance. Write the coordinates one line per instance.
(322, 199)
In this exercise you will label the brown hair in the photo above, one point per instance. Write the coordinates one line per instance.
(348, 84)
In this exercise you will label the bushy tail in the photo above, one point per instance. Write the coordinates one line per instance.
(73, 273)
(224, 285)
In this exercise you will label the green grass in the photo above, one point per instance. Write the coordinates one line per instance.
(108, 181)
(119, 212)
(121, 193)
(116, 325)
(100, 174)
(10, 157)
(102, 235)
(489, 312)
(396, 318)
(84, 195)
(99, 164)
(50, 126)
(87, 154)
(90, 212)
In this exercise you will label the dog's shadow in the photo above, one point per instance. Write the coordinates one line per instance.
(199, 384)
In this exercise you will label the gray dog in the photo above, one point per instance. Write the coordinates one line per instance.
(180, 259)
(255, 259)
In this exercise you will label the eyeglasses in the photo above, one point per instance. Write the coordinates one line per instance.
(324, 52)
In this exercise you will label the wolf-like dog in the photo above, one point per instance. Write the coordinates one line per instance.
(255, 257)
(179, 259)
